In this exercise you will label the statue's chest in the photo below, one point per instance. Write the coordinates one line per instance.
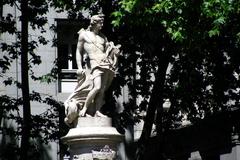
(96, 39)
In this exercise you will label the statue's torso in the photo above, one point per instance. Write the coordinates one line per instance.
(94, 46)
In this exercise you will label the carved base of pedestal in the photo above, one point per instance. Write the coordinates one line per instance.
(94, 138)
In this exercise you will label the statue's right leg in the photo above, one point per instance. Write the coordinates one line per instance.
(97, 82)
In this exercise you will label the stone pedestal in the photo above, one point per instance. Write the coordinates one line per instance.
(195, 156)
(94, 138)
(233, 155)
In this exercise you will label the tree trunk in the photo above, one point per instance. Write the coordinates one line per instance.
(159, 116)
(155, 106)
(25, 83)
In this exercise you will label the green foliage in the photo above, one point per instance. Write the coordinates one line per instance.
(200, 39)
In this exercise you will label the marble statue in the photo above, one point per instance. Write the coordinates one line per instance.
(97, 61)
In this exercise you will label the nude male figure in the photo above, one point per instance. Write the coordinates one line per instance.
(96, 61)
(92, 43)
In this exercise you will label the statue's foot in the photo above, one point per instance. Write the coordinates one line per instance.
(82, 113)
(99, 114)
(66, 121)
(88, 115)
(69, 124)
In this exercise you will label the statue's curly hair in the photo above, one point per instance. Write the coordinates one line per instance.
(95, 19)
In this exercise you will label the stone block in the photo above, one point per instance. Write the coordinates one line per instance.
(93, 137)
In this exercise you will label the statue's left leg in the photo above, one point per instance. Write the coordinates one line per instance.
(110, 76)
(99, 100)
(107, 78)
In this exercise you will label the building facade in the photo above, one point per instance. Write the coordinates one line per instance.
(66, 36)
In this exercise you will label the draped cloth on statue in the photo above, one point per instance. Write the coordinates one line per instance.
(76, 100)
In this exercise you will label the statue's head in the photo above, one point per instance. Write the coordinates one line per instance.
(96, 19)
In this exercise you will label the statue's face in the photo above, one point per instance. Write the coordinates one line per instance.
(99, 25)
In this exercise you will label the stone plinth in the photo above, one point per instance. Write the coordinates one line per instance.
(195, 156)
(93, 137)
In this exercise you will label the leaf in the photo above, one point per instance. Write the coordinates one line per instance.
(214, 32)
(9, 81)
(128, 5)
(164, 23)
(177, 36)
(117, 16)
(42, 40)
(219, 21)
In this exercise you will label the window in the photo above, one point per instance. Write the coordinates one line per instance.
(67, 37)
(67, 56)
